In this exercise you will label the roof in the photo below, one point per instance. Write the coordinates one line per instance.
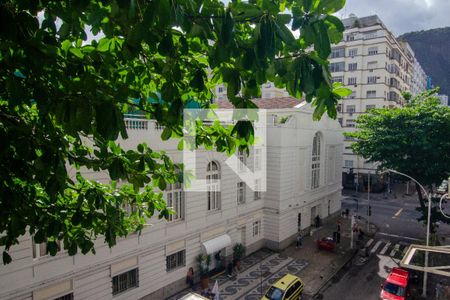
(270, 103)
(398, 276)
(286, 281)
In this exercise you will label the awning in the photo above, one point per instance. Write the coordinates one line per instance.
(216, 244)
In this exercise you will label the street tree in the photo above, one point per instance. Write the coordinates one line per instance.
(412, 139)
(69, 70)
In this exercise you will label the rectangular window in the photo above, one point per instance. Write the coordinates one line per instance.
(353, 52)
(348, 163)
(65, 297)
(241, 192)
(373, 50)
(257, 194)
(337, 67)
(339, 108)
(337, 52)
(175, 200)
(371, 94)
(351, 123)
(351, 80)
(220, 89)
(350, 37)
(369, 107)
(256, 228)
(337, 79)
(351, 108)
(370, 35)
(353, 66)
(372, 79)
(352, 95)
(125, 281)
(176, 260)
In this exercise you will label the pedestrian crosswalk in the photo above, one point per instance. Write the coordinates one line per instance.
(387, 248)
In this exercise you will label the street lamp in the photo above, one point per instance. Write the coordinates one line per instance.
(425, 273)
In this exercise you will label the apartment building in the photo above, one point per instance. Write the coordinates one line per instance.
(268, 91)
(377, 68)
(304, 162)
(444, 99)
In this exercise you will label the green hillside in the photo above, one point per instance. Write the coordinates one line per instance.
(432, 48)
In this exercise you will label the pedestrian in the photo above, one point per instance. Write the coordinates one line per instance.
(230, 268)
(439, 290)
(190, 277)
(299, 241)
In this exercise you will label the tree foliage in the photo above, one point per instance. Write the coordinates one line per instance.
(411, 139)
(69, 70)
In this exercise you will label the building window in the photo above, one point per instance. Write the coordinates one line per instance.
(241, 192)
(337, 67)
(348, 163)
(369, 107)
(176, 260)
(353, 52)
(315, 172)
(213, 185)
(350, 37)
(242, 156)
(373, 50)
(337, 52)
(65, 297)
(371, 94)
(352, 95)
(256, 228)
(175, 200)
(257, 193)
(125, 281)
(339, 108)
(220, 89)
(351, 80)
(337, 79)
(40, 250)
(351, 123)
(353, 66)
(372, 79)
(351, 108)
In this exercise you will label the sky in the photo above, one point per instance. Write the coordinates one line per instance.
(402, 16)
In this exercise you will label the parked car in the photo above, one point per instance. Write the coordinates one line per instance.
(289, 287)
(396, 286)
(326, 243)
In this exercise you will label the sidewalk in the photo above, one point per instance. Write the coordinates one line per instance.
(262, 268)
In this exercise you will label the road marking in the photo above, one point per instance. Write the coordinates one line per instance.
(376, 247)
(385, 248)
(396, 247)
(369, 242)
(399, 236)
(397, 213)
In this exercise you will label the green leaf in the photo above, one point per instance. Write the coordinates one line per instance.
(103, 45)
(77, 52)
(330, 6)
(166, 134)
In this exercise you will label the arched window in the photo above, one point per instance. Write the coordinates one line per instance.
(213, 185)
(316, 159)
(175, 200)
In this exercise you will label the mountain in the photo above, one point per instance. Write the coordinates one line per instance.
(432, 50)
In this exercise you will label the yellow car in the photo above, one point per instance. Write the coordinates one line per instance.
(289, 287)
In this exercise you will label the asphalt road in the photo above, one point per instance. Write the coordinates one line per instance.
(396, 219)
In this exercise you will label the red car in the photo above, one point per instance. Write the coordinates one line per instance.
(396, 285)
(326, 243)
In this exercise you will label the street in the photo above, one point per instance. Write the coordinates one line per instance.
(396, 220)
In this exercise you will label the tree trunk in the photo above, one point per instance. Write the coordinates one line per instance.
(419, 193)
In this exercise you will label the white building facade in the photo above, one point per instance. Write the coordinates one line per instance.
(304, 163)
(377, 68)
